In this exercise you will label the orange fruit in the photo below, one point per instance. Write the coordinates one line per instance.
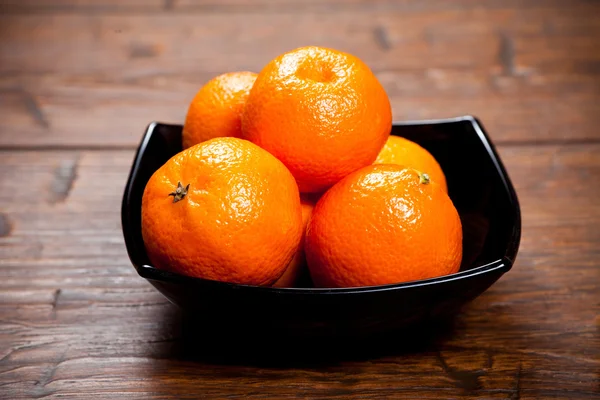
(224, 210)
(380, 225)
(322, 112)
(216, 110)
(297, 269)
(401, 151)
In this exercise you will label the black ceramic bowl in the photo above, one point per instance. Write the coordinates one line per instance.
(478, 185)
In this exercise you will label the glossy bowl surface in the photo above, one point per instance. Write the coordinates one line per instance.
(478, 185)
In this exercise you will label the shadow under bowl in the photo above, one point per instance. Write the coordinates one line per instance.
(478, 185)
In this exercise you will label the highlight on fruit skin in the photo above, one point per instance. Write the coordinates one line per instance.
(383, 224)
(237, 217)
(322, 112)
(216, 109)
(401, 151)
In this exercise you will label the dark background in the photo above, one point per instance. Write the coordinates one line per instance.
(79, 82)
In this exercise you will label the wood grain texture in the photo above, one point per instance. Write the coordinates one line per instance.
(199, 6)
(97, 78)
(76, 319)
(80, 80)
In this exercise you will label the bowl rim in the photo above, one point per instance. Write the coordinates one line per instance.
(501, 265)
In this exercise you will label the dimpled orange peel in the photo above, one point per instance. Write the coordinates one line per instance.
(225, 210)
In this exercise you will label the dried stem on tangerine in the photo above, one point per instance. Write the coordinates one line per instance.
(180, 192)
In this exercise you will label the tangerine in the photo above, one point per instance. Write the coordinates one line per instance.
(216, 109)
(322, 112)
(296, 270)
(206, 214)
(401, 151)
(383, 224)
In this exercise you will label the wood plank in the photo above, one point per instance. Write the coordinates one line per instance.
(458, 39)
(187, 6)
(80, 71)
(76, 320)
(555, 183)
(78, 111)
(75, 191)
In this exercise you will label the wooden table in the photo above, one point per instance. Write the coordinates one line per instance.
(79, 81)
